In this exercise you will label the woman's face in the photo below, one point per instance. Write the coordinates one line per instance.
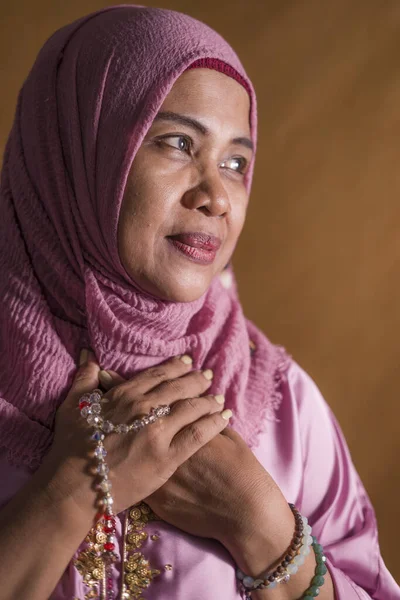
(185, 200)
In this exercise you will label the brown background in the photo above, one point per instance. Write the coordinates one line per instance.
(319, 261)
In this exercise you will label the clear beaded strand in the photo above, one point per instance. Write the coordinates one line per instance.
(90, 409)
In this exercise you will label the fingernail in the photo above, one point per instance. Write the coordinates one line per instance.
(106, 377)
(208, 374)
(220, 398)
(226, 414)
(188, 360)
(83, 356)
(91, 355)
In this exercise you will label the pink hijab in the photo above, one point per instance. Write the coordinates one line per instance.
(81, 115)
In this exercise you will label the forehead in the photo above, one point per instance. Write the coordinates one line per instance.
(211, 96)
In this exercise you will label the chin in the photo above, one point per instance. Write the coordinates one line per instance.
(189, 287)
(181, 295)
(180, 291)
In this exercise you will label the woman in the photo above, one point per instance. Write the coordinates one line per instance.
(124, 190)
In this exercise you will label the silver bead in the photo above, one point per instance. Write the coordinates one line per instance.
(95, 396)
(105, 485)
(86, 411)
(100, 452)
(107, 427)
(102, 469)
(95, 420)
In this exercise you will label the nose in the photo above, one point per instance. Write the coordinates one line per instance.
(209, 195)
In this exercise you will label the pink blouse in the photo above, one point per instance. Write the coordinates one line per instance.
(306, 454)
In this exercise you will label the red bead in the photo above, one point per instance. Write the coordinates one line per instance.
(109, 529)
(109, 517)
(109, 546)
(83, 404)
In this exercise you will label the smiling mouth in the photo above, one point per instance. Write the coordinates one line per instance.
(198, 247)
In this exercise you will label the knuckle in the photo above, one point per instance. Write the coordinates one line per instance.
(156, 430)
(174, 386)
(117, 393)
(80, 377)
(83, 374)
(193, 403)
(197, 435)
(157, 372)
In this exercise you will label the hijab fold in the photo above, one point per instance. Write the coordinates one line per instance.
(81, 116)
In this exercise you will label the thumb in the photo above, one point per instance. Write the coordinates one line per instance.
(110, 379)
(233, 435)
(86, 377)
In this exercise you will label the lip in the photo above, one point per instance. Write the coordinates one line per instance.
(199, 247)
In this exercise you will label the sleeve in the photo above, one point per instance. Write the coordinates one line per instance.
(334, 499)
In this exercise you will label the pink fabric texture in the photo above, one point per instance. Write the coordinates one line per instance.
(306, 454)
(219, 65)
(81, 115)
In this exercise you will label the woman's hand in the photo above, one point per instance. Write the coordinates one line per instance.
(223, 492)
(139, 462)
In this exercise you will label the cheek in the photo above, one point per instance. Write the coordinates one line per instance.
(238, 216)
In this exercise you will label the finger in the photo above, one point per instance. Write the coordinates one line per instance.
(190, 410)
(85, 379)
(150, 378)
(110, 379)
(190, 385)
(196, 435)
(233, 435)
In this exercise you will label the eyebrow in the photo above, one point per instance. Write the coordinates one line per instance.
(194, 124)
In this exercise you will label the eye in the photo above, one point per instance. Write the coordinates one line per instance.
(236, 163)
(180, 142)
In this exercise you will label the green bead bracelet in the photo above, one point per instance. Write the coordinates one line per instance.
(320, 570)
